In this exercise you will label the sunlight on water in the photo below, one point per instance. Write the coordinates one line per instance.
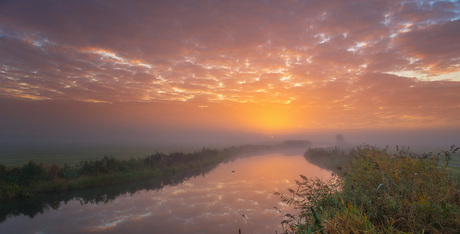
(236, 195)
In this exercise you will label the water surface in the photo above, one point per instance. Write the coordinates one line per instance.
(235, 195)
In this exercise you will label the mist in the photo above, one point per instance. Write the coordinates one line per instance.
(64, 123)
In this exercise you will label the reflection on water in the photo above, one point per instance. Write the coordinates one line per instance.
(235, 195)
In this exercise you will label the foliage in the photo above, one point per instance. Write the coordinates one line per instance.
(309, 198)
(379, 192)
(335, 159)
(339, 139)
(33, 178)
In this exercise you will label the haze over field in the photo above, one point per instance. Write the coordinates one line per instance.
(229, 71)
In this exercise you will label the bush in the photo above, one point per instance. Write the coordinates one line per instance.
(68, 172)
(2, 173)
(30, 173)
(33, 178)
(380, 192)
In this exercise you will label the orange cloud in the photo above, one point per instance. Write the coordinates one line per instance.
(282, 65)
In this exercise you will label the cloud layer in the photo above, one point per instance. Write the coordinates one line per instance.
(351, 63)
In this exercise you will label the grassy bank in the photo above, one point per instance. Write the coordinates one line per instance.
(377, 191)
(34, 178)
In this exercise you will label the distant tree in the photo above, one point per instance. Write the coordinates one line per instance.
(340, 139)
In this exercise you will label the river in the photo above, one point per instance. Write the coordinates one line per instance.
(234, 195)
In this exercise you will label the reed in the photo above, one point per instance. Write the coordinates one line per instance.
(33, 178)
(379, 192)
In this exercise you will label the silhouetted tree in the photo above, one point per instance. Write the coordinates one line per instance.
(340, 139)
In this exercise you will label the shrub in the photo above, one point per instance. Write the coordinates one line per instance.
(30, 173)
(3, 173)
(380, 192)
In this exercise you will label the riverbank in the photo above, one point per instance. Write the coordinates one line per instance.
(35, 178)
(377, 191)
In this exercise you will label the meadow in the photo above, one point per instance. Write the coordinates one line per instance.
(18, 155)
(377, 191)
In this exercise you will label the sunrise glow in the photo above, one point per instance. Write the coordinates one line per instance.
(263, 67)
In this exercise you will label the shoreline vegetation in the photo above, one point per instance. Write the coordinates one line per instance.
(376, 191)
(34, 178)
(373, 190)
(42, 202)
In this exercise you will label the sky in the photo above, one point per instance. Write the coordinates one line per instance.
(147, 71)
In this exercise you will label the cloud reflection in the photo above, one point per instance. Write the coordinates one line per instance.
(221, 202)
(207, 204)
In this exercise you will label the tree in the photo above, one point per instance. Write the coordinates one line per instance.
(340, 139)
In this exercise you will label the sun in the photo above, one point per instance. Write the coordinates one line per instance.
(270, 118)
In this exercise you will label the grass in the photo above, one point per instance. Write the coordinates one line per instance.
(34, 178)
(18, 155)
(377, 191)
(41, 202)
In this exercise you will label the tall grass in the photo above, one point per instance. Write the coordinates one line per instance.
(379, 192)
(33, 178)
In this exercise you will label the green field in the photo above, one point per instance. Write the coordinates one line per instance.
(14, 155)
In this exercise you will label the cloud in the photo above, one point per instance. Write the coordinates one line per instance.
(330, 57)
(435, 47)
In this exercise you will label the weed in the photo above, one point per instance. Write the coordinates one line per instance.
(378, 192)
(33, 178)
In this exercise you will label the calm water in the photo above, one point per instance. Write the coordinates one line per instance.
(214, 200)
